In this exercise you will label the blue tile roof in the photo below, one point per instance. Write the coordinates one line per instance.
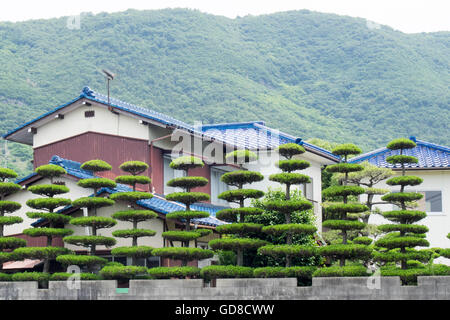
(244, 135)
(157, 203)
(430, 156)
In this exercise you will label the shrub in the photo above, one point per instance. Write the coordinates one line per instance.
(40, 252)
(97, 183)
(402, 197)
(203, 232)
(50, 171)
(174, 272)
(402, 242)
(239, 228)
(290, 178)
(80, 260)
(342, 191)
(130, 233)
(96, 166)
(136, 251)
(283, 272)
(133, 180)
(9, 187)
(30, 276)
(86, 241)
(344, 224)
(48, 190)
(240, 177)
(186, 162)
(287, 206)
(63, 276)
(122, 272)
(288, 250)
(404, 216)
(362, 240)
(342, 208)
(97, 222)
(413, 228)
(48, 203)
(292, 165)
(134, 215)
(5, 277)
(188, 197)
(293, 228)
(288, 150)
(401, 143)
(236, 243)
(347, 251)
(241, 156)
(12, 243)
(346, 149)
(131, 196)
(134, 167)
(401, 159)
(187, 215)
(232, 213)
(6, 221)
(346, 271)
(404, 181)
(92, 202)
(188, 182)
(48, 232)
(215, 272)
(53, 217)
(344, 167)
(183, 253)
(6, 173)
(181, 235)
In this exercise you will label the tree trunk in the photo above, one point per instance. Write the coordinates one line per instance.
(240, 257)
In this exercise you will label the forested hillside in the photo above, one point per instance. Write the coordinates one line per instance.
(308, 74)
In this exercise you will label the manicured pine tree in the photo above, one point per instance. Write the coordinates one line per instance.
(343, 214)
(403, 235)
(187, 197)
(92, 221)
(287, 207)
(6, 207)
(238, 241)
(135, 215)
(56, 220)
(445, 252)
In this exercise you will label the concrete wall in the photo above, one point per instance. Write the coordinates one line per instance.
(428, 288)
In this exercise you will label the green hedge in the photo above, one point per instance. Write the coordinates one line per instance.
(290, 178)
(97, 183)
(130, 233)
(134, 215)
(401, 159)
(7, 221)
(50, 171)
(6, 173)
(181, 235)
(30, 276)
(283, 250)
(344, 167)
(86, 241)
(240, 177)
(401, 143)
(346, 271)
(232, 214)
(287, 206)
(183, 253)
(80, 260)
(96, 166)
(412, 228)
(341, 191)
(11, 243)
(39, 252)
(9, 187)
(131, 196)
(394, 256)
(218, 272)
(347, 251)
(402, 242)
(122, 272)
(342, 208)
(188, 182)
(188, 197)
(289, 150)
(282, 272)
(136, 252)
(174, 272)
(292, 228)
(362, 240)
(187, 214)
(48, 232)
(48, 190)
(4, 277)
(48, 203)
(63, 276)
(236, 243)
(240, 156)
(92, 202)
(404, 216)
(239, 228)
(97, 222)
(134, 167)
(409, 276)
(293, 165)
(186, 162)
(50, 216)
(402, 197)
(344, 224)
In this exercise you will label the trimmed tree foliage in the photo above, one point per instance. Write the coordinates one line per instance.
(238, 239)
(287, 207)
(92, 221)
(6, 207)
(55, 220)
(134, 215)
(184, 253)
(402, 236)
(338, 215)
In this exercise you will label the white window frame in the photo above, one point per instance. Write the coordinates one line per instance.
(429, 213)
(214, 197)
(176, 174)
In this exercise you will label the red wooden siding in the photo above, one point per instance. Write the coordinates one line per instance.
(202, 172)
(91, 145)
(157, 170)
(39, 241)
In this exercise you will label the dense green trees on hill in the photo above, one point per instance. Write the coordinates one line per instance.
(310, 68)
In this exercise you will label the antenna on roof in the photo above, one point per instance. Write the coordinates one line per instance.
(109, 76)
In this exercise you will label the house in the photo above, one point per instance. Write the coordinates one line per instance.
(95, 126)
(434, 168)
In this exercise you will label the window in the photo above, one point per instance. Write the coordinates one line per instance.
(308, 193)
(153, 262)
(431, 201)
(170, 174)
(217, 186)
